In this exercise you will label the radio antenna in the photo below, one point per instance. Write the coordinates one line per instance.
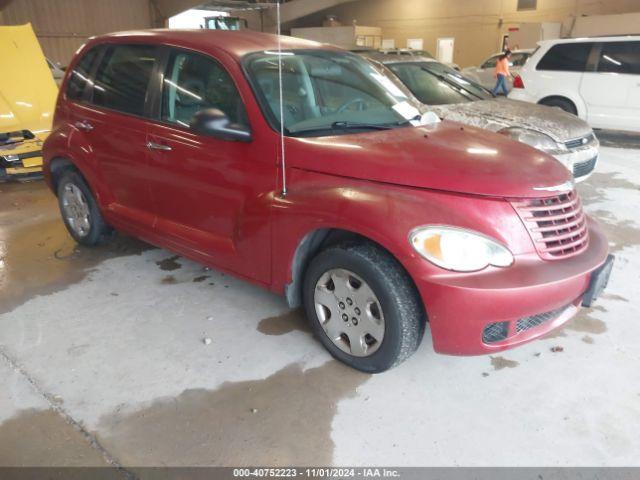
(283, 158)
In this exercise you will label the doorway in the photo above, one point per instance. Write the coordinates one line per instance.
(444, 50)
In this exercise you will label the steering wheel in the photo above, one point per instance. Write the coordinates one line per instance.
(354, 101)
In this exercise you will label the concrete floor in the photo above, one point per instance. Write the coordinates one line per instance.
(102, 361)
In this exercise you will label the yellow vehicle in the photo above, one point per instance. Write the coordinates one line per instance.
(27, 100)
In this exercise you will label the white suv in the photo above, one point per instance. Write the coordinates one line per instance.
(597, 79)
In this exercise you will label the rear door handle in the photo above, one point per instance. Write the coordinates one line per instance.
(158, 146)
(84, 125)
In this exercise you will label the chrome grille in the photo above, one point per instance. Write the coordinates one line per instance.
(584, 168)
(557, 225)
(533, 321)
(579, 142)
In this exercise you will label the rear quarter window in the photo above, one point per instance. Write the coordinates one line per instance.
(79, 76)
(566, 57)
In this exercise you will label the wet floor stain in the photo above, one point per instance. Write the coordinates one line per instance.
(621, 234)
(500, 363)
(284, 419)
(41, 438)
(585, 323)
(588, 339)
(169, 264)
(37, 255)
(292, 320)
(619, 139)
(201, 278)
(169, 280)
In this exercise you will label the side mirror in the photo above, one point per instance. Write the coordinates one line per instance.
(215, 123)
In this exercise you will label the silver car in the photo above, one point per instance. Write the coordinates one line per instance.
(454, 97)
(485, 74)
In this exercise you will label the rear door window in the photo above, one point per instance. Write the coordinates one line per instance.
(566, 57)
(519, 59)
(122, 78)
(79, 77)
(620, 57)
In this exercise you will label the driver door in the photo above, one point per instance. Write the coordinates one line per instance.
(212, 196)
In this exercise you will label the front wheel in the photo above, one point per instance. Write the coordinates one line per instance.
(363, 307)
(80, 210)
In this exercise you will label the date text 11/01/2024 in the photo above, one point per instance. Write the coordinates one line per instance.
(316, 473)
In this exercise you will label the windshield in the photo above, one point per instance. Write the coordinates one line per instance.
(327, 92)
(436, 84)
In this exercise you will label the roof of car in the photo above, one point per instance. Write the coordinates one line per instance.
(591, 39)
(391, 59)
(236, 43)
(520, 50)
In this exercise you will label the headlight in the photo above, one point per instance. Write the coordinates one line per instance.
(11, 158)
(532, 138)
(458, 249)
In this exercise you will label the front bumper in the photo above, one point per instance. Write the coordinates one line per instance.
(461, 305)
(580, 161)
(28, 165)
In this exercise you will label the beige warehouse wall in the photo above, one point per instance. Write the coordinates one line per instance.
(475, 24)
(63, 25)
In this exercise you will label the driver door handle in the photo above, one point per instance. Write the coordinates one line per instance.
(158, 146)
(84, 125)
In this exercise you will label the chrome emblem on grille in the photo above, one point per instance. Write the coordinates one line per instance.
(566, 186)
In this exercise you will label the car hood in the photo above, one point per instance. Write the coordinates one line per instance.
(445, 156)
(27, 89)
(496, 114)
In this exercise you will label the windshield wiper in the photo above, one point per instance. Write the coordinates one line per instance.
(344, 125)
(454, 84)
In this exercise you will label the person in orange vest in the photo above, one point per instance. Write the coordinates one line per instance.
(502, 72)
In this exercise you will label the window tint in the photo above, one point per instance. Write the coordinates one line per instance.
(123, 76)
(79, 77)
(620, 57)
(491, 63)
(568, 57)
(194, 82)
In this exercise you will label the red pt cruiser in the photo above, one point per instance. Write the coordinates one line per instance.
(379, 220)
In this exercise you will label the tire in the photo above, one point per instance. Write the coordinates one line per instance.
(80, 211)
(563, 103)
(395, 305)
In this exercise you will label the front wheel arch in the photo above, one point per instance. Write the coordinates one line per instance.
(58, 167)
(315, 242)
(553, 99)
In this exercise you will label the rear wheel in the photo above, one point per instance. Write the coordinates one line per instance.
(363, 307)
(80, 210)
(563, 103)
